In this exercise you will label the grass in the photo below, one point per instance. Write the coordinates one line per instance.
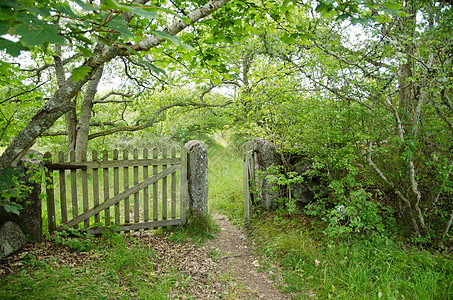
(197, 230)
(226, 192)
(123, 270)
(355, 269)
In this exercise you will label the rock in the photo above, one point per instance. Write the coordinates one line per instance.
(302, 192)
(11, 239)
(305, 191)
(197, 176)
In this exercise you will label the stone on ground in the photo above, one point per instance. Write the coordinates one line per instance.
(11, 239)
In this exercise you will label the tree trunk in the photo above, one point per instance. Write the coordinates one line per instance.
(71, 115)
(81, 142)
(406, 33)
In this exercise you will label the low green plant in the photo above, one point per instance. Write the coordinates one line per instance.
(213, 254)
(277, 177)
(14, 187)
(75, 239)
(11, 188)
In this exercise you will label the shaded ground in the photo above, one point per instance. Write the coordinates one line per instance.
(224, 268)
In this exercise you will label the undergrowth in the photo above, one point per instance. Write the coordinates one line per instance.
(119, 268)
(327, 268)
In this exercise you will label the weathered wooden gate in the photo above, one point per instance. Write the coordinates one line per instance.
(248, 166)
(88, 203)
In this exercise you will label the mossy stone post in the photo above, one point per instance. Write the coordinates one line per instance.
(197, 177)
(265, 155)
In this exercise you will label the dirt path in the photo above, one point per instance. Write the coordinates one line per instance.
(236, 263)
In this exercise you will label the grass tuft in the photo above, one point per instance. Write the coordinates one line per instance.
(197, 230)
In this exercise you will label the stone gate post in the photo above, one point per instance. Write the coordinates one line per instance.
(197, 177)
(265, 155)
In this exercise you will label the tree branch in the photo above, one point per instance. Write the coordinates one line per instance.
(127, 95)
(24, 92)
(154, 118)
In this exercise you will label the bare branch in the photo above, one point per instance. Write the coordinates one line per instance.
(112, 101)
(448, 224)
(24, 92)
(39, 70)
(55, 133)
(8, 123)
(128, 95)
(102, 124)
(154, 118)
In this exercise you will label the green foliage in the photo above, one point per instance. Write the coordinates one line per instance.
(185, 133)
(282, 181)
(75, 239)
(360, 213)
(10, 188)
(14, 189)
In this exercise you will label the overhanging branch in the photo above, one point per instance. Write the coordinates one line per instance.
(154, 118)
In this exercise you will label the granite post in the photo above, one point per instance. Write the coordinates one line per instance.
(197, 177)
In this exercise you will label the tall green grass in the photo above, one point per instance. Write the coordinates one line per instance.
(355, 269)
(225, 182)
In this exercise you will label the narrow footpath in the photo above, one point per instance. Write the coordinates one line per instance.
(236, 263)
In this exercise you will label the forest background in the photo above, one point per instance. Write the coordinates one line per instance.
(361, 90)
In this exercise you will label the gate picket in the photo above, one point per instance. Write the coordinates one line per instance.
(64, 207)
(105, 157)
(94, 157)
(145, 190)
(75, 205)
(83, 157)
(155, 188)
(126, 186)
(136, 195)
(116, 186)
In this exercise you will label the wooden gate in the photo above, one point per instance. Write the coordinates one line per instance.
(248, 166)
(86, 200)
